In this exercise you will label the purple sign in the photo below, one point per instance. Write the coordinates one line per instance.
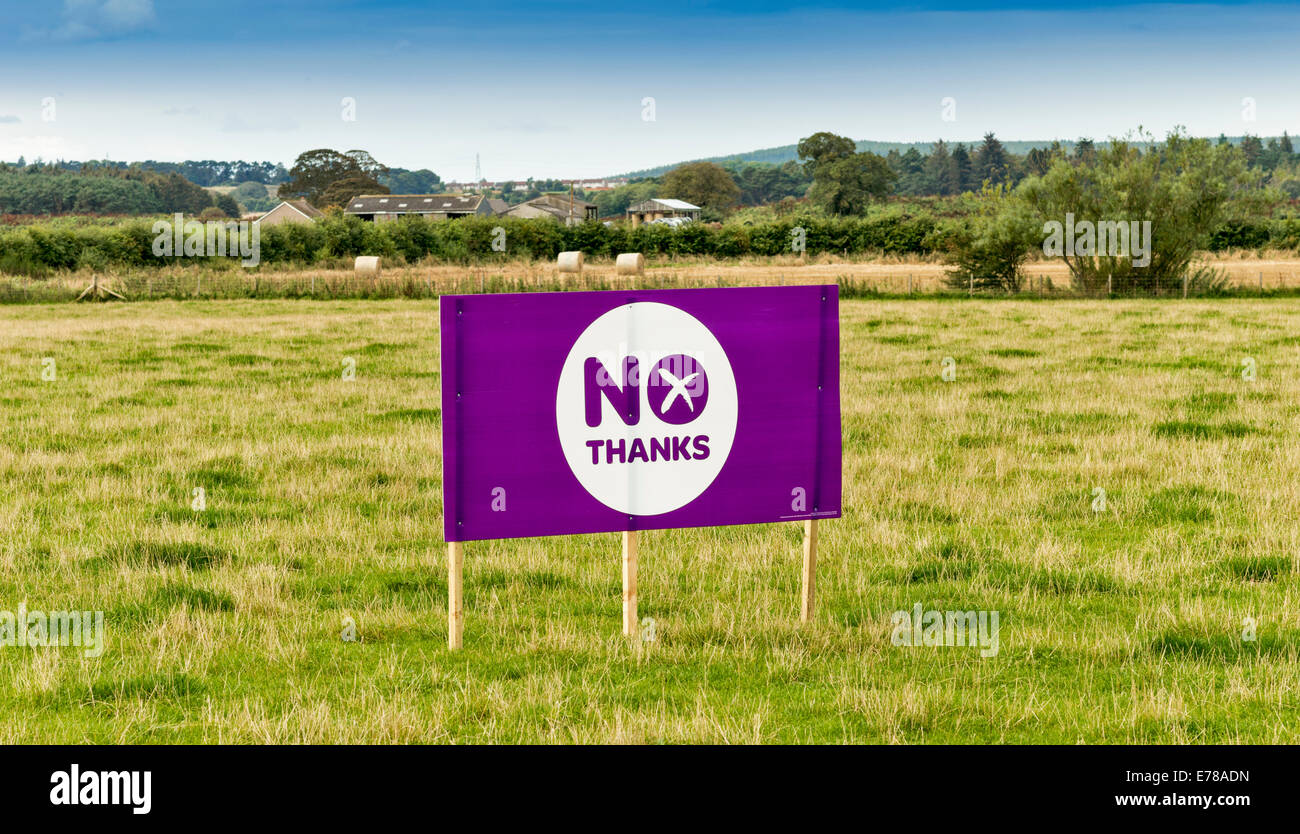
(592, 412)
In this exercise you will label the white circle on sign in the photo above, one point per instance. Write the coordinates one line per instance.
(661, 437)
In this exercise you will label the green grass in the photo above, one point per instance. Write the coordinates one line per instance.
(324, 509)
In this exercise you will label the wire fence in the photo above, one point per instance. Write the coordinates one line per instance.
(417, 283)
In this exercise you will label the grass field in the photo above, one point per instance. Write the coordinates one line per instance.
(323, 503)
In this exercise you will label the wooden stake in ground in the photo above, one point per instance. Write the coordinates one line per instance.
(98, 290)
(629, 582)
(809, 570)
(455, 619)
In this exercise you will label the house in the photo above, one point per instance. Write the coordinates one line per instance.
(661, 210)
(291, 211)
(498, 206)
(559, 207)
(382, 207)
(597, 185)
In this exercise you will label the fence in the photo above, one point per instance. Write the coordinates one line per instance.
(862, 281)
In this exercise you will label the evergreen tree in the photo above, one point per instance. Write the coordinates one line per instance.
(1252, 148)
(965, 170)
(941, 174)
(911, 174)
(1037, 161)
(992, 162)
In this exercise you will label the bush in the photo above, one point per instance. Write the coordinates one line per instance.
(1239, 234)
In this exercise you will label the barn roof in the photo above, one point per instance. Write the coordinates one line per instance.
(301, 206)
(414, 203)
(553, 205)
(658, 203)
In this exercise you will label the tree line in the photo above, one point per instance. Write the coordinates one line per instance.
(205, 173)
(850, 180)
(1142, 211)
(50, 189)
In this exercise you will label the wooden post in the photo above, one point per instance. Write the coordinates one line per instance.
(972, 285)
(629, 582)
(909, 283)
(809, 570)
(97, 290)
(1184, 285)
(1110, 285)
(455, 619)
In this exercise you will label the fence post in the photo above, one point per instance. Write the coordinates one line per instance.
(972, 285)
(1184, 286)
(909, 283)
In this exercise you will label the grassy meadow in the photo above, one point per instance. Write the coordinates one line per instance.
(323, 507)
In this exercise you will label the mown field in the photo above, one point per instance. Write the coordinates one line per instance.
(323, 504)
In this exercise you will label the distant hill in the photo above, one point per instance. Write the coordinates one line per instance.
(785, 153)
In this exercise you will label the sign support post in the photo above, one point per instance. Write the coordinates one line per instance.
(629, 582)
(809, 570)
(455, 618)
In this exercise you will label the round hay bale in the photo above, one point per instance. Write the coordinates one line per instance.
(367, 265)
(630, 263)
(570, 262)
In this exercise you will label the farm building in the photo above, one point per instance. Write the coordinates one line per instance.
(381, 207)
(661, 210)
(559, 207)
(290, 211)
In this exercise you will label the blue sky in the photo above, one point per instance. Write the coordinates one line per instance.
(548, 89)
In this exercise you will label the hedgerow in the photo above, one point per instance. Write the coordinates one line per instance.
(39, 248)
